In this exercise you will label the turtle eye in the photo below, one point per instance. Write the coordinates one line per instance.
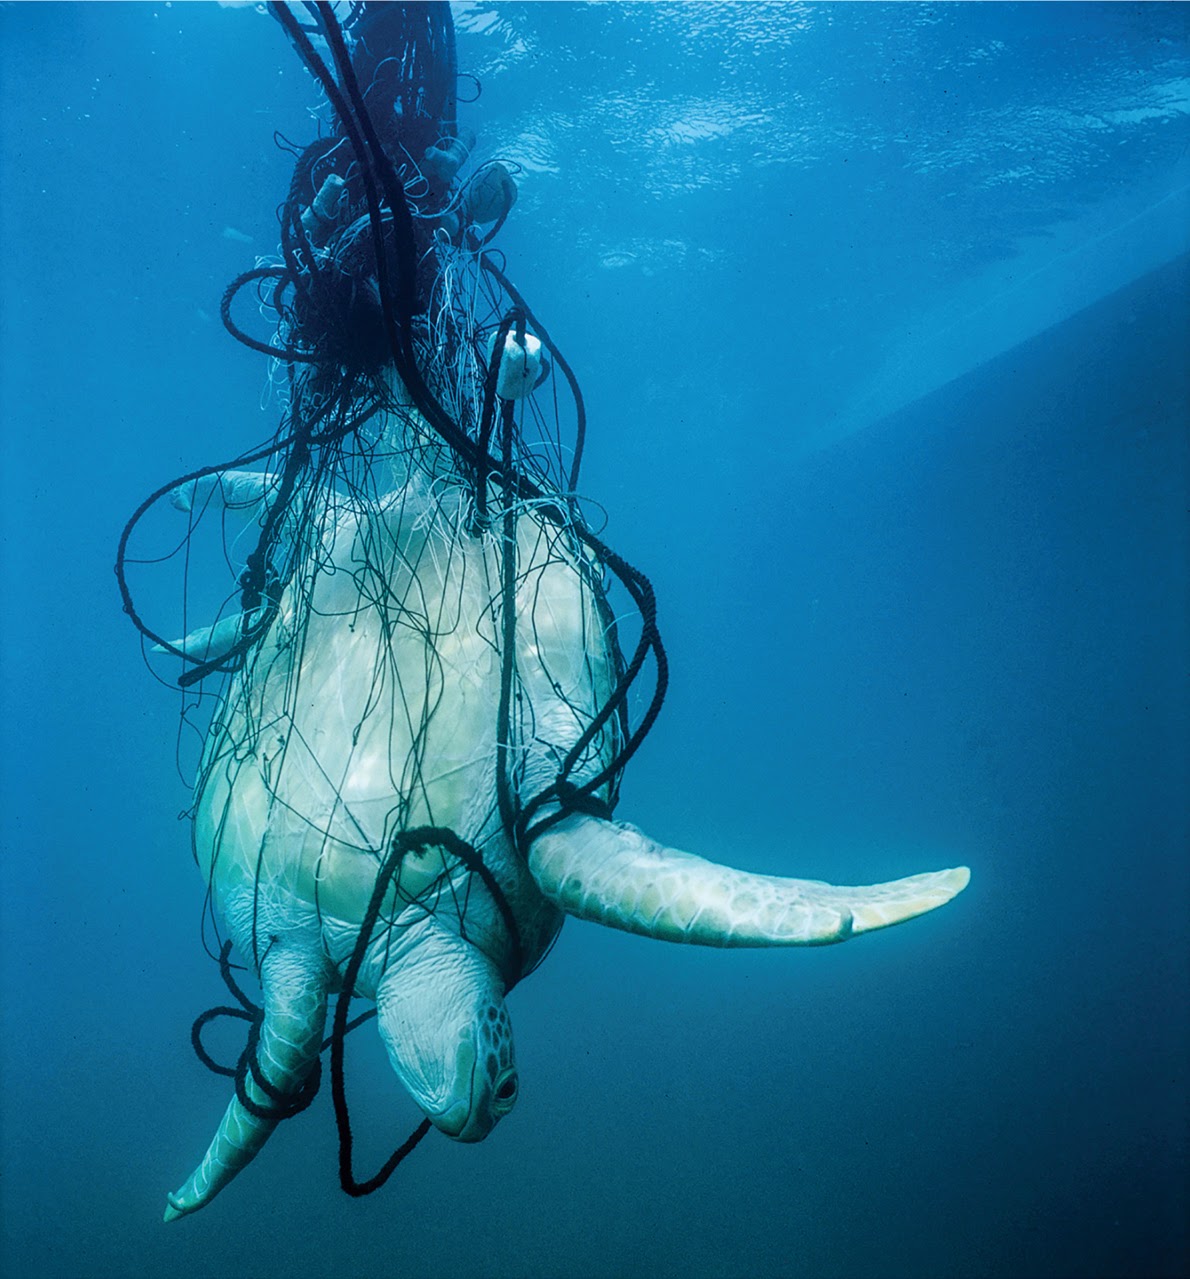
(506, 1088)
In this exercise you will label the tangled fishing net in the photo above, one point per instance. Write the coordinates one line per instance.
(417, 496)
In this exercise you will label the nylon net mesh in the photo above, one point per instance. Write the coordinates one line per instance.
(414, 627)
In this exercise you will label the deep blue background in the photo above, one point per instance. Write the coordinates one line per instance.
(956, 633)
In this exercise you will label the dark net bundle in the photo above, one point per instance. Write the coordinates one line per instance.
(406, 524)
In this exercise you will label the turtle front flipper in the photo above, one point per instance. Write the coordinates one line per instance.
(611, 873)
(294, 985)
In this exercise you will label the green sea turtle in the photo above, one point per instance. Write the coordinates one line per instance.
(371, 707)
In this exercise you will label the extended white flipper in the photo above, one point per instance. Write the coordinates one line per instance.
(231, 490)
(210, 643)
(610, 873)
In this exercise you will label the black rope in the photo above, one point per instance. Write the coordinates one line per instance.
(285, 1104)
(203, 1019)
(578, 799)
(265, 348)
(488, 417)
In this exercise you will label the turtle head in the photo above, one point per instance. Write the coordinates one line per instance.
(448, 1034)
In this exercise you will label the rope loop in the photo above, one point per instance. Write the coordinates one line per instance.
(286, 1104)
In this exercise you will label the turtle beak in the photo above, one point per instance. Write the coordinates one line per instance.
(472, 1117)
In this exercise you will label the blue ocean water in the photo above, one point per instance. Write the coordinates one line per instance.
(881, 315)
